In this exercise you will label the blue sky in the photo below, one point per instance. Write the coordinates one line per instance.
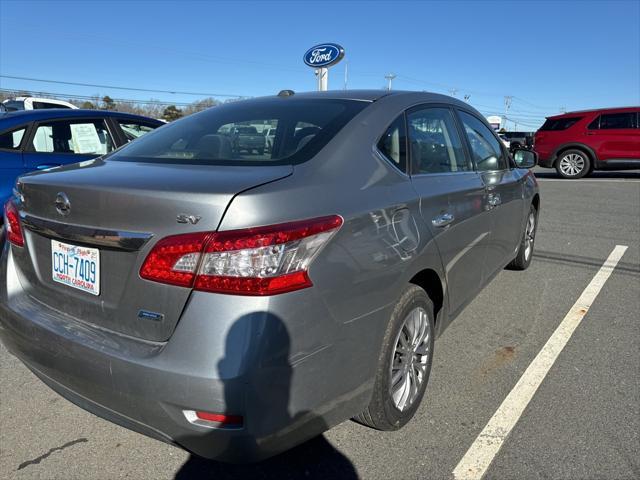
(547, 55)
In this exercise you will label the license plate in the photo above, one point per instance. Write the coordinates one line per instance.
(77, 267)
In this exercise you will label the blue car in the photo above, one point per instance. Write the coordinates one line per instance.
(40, 139)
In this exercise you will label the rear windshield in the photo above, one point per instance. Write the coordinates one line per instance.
(559, 123)
(232, 134)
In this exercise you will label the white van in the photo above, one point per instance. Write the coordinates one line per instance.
(33, 103)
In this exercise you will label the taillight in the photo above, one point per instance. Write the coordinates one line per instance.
(254, 261)
(12, 221)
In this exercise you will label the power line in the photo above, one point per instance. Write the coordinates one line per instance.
(133, 89)
(97, 97)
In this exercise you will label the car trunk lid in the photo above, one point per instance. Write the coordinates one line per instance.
(122, 210)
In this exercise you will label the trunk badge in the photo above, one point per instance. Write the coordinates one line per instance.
(63, 205)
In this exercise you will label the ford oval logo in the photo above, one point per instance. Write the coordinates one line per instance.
(324, 55)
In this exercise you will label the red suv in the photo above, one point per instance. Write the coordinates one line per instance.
(577, 143)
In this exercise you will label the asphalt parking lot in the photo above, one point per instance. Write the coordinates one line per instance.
(582, 422)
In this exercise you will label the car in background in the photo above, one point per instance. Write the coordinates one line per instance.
(577, 143)
(45, 138)
(269, 136)
(236, 305)
(34, 103)
(505, 140)
(519, 140)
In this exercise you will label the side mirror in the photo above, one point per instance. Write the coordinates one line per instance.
(525, 158)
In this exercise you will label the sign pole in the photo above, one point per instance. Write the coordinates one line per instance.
(323, 79)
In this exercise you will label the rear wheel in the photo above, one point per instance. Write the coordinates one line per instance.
(573, 164)
(404, 364)
(525, 250)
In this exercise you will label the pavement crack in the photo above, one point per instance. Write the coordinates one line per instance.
(37, 460)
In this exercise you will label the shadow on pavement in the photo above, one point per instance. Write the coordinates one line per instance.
(315, 459)
(624, 268)
(605, 175)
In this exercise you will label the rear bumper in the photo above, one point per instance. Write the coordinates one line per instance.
(242, 367)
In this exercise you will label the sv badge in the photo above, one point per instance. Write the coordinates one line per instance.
(184, 218)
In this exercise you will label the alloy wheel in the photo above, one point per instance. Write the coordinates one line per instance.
(529, 235)
(572, 164)
(409, 365)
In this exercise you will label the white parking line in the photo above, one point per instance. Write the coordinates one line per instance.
(486, 446)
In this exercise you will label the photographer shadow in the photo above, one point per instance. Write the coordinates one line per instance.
(268, 344)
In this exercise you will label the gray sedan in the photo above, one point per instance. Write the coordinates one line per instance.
(236, 305)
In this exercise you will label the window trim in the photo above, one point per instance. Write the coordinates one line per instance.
(28, 147)
(468, 157)
(486, 124)
(407, 163)
(22, 144)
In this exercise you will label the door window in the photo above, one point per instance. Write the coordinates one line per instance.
(12, 140)
(133, 130)
(617, 120)
(434, 142)
(393, 144)
(485, 147)
(89, 137)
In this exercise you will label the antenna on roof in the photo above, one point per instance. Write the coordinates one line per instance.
(286, 93)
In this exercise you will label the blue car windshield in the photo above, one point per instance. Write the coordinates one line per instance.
(258, 132)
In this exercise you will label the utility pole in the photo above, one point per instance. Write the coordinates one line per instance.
(390, 77)
(507, 106)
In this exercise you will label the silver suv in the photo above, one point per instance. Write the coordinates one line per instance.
(237, 306)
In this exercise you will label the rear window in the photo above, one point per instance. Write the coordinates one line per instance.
(560, 123)
(228, 134)
(46, 105)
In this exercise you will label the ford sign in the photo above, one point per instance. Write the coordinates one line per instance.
(325, 55)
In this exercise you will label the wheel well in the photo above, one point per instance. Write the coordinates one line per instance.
(575, 147)
(536, 202)
(430, 282)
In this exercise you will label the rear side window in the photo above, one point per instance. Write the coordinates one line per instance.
(559, 123)
(11, 140)
(232, 134)
(614, 120)
(79, 136)
(133, 130)
(485, 147)
(434, 142)
(46, 105)
(14, 105)
(393, 144)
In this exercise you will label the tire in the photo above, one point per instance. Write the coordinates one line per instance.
(573, 164)
(527, 243)
(386, 411)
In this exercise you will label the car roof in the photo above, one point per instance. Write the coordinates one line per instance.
(9, 119)
(594, 110)
(361, 95)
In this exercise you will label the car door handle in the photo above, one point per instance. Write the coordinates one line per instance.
(44, 166)
(493, 199)
(443, 220)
